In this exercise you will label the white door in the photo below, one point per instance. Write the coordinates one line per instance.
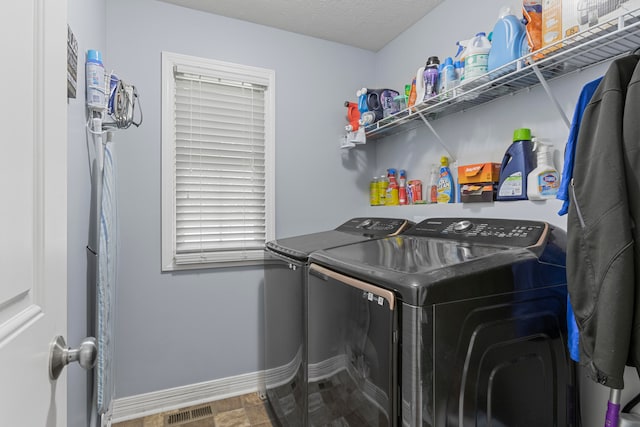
(33, 210)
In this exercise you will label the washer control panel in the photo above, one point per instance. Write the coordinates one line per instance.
(491, 231)
(374, 226)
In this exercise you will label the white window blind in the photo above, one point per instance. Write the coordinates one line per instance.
(220, 188)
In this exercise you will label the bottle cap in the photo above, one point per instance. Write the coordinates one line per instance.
(433, 60)
(522, 134)
(444, 161)
(94, 56)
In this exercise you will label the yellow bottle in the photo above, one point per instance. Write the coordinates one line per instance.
(374, 192)
(392, 190)
(383, 183)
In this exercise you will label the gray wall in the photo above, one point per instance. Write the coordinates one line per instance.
(183, 328)
(87, 20)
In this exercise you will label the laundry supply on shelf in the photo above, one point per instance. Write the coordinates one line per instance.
(508, 42)
(544, 181)
(517, 163)
(446, 188)
(532, 14)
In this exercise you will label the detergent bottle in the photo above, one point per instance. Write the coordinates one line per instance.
(446, 189)
(353, 116)
(544, 181)
(516, 165)
(448, 79)
(508, 42)
(362, 100)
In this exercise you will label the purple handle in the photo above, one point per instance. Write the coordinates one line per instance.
(613, 412)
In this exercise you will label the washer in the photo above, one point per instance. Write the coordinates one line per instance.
(284, 309)
(455, 322)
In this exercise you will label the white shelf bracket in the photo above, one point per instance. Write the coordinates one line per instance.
(547, 89)
(440, 141)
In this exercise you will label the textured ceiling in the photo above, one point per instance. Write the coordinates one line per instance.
(367, 24)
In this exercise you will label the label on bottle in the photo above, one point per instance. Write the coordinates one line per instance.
(476, 65)
(444, 188)
(512, 185)
(382, 192)
(548, 184)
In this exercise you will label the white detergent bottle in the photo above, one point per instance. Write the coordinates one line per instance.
(420, 86)
(543, 182)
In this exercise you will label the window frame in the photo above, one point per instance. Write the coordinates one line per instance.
(216, 69)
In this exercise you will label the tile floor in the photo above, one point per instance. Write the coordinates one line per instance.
(242, 411)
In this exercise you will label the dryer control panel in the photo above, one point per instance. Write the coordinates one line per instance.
(378, 227)
(492, 231)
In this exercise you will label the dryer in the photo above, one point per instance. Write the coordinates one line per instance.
(456, 322)
(285, 309)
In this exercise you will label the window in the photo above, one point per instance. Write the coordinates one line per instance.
(217, 162)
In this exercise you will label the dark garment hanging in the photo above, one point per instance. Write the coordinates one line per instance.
(601, 257)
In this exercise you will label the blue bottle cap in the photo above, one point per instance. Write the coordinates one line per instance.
(94, 56)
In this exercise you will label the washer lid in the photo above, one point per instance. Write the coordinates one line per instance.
(428, 270)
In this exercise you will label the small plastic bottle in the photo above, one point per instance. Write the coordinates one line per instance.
(374, 193)
(402, 188)
(431, 195)
(383, 183)
(391, 198)
(544, 181)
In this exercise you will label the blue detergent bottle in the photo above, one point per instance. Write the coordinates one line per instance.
(508, 41)
(517, 163)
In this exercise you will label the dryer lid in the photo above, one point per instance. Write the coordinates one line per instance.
(352, 231)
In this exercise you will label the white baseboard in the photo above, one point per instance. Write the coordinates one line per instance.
(142, 405)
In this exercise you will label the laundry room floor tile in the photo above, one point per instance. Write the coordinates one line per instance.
(242, 411)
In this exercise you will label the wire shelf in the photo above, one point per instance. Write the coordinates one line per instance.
(592, 46)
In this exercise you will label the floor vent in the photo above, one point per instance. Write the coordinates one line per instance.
(188, 415)
(202, 412)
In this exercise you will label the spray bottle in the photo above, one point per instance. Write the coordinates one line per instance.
(544, 181)
(402, 188)
(431, 194)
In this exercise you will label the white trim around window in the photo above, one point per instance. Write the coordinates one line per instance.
(218, 167)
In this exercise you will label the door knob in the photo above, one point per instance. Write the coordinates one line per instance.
(60, 355)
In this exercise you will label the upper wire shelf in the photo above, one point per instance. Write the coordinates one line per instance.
(589, 47)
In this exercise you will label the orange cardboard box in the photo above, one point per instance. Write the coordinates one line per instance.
(481, 172)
